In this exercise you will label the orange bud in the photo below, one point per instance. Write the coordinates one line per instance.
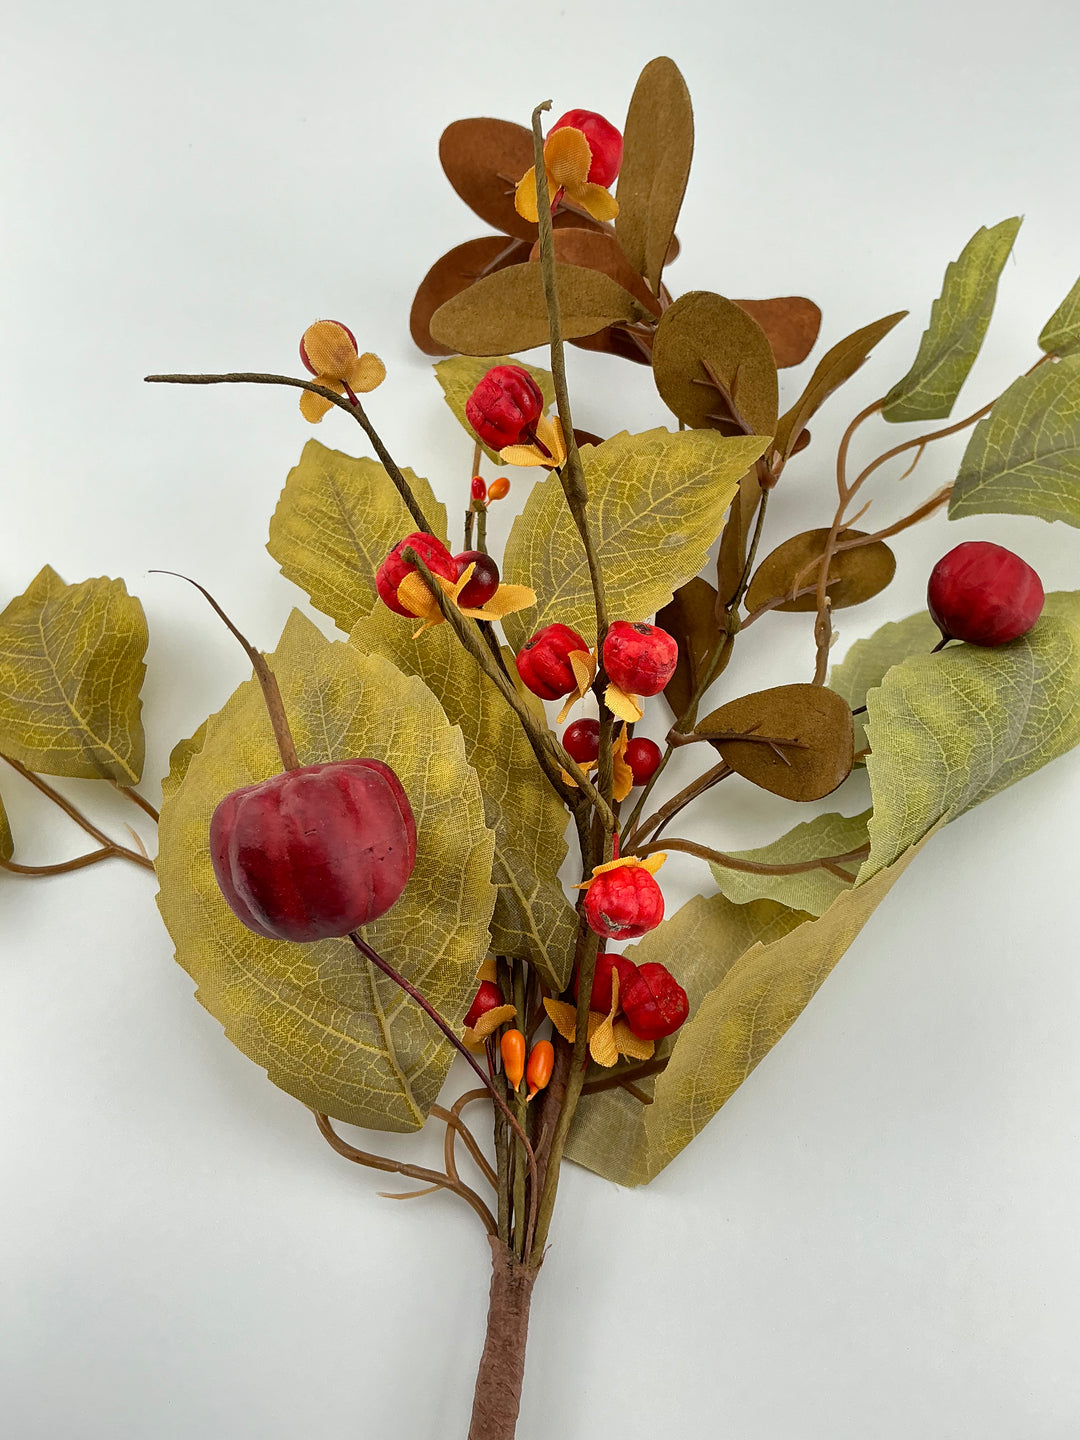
(541, 1064)
(512, 1048)
(499, 488)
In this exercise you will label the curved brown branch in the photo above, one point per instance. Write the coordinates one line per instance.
(73, 813)
(399, 1167)
(832, 863)
(107, 852)
(456, 1126)
(137, 799)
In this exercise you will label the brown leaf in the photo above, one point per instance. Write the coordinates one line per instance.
(616, 341)
(454, 272)
(505, 312)
(735, 540)
(854, 575)
(658, 145)
(838, 365)
(691, 619)
(713, 362)
(818, 723)
(791, 323)
(586, 437)
(599, 250)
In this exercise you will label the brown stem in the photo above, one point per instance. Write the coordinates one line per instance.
(399, 1167)
(80, 862)
(671, 808)
(80, 819)
(137, 799)
(497, 1398)
(353, 407)
(635, 1072)
(753, 867)
(455, 1126)
(275, 706)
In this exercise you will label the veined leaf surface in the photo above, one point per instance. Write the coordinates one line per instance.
(1061, 333)
(810, 890)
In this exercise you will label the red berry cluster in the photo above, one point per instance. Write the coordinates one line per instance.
(650, 997)
(481, 586)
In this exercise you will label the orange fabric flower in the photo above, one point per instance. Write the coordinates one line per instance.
(567, 159)
(329, 350)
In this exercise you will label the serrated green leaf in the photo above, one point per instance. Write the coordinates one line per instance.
(180, 757)
(656, 501)
(699, 944)
(809, 890)
(460, 375)
(658, 146)
(533, 918)
(1024, 458)
(958, 322)
(326, 1027)
(866, 662)
(1061, 333)
(506, 312)
(336, 521)
(948, 731)
(71, 668)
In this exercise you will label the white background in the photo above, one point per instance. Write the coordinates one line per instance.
(878, 1236)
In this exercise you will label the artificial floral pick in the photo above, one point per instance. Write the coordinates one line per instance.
(329, 351)
(415, 597)
(567, 159)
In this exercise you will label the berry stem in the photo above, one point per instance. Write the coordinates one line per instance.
(108, 847)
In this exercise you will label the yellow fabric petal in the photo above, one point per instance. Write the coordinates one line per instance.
(651, 863)
(564, 1017)
(506, 601)
(525, 196)
(488, 971)
(365, 372)
(583, 664)
(313, 407)
(623, 705)
(567, 157)
(329, 348)
(549, 431)
(602, 1045)
(629, 1044)
(419, 601)
(523, 455)
(623, 775)
(490, 1021)
(600, 203)
(567, 705)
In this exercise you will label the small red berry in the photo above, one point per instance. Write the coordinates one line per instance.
(484, 581)
(653, 1002)
(581, 741)
(643, 756)
(303, 348)
(606, 963)
(605, 142)
(504, 405)
(984, 594)
(488, 997)
(624, 903)
(544, 661)
(393, 569)
(314, 852)
(499, 488)
(639, 659)
(478, 488)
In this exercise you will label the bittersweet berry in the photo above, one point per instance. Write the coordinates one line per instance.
(624, 903)
(483, 582)
(488, 997)
(653, 1002)
(512, 1050)
(581, 741)
(984, 594)
(314, 852)
(639, 659)
(605, 142)
(505, 406)
(328, 350)
(643, 756)
(544, 661)
(499, 488)
(607, 963)
(393, 569)
(540, 1067)
(478, 489)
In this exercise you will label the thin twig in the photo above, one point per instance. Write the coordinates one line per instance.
(137, 799)
(455, 1126)
(753, 867)
(75, 814)
(80, 862)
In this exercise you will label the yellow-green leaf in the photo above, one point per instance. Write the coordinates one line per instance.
(460, 375)
(836, 367)
(336, 521)
(505, 312)
(958, 322)
(1024, 458)
(658, 146)
(1061, 333)
(812, 890)
(71, 668)
(714, 366)
(533, 918)
(656, 501)
(326, 1027)
(948, 731)
(866, 662)
(699, 944)
(7, 844)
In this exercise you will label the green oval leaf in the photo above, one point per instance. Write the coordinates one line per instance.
(658, 146)
(326, 1027)
(71, 668)
(811, 890)
(959, 319)
(460, 376)
(1061, 333)
(713, 365)
(1024, 458)
(505, 312)
(656, 501)
(336, 521)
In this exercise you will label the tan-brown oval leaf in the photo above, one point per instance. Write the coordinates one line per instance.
(691, 619)
(658, 145)
(599, 250)
(714, 366)
(806, 745)
(454, 272)
(505, 312)
(617, 341)
(854, 575)
(791, 323)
